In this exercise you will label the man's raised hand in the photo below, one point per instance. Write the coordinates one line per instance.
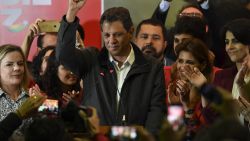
(73, 7)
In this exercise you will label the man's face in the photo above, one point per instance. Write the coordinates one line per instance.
(151, 41)
(49, 40)
(178, 38)
(116, 38)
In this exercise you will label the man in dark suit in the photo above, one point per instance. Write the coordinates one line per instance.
(124, 86)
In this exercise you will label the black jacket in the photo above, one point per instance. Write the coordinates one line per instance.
(143, 92)
(9, 125)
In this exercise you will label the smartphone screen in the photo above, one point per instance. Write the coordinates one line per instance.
(175, 116)
(49, 106)
(123, 132)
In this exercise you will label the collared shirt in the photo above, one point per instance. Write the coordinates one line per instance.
(8, 105)
(122, 71)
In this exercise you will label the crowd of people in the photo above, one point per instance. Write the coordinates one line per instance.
(188, 82)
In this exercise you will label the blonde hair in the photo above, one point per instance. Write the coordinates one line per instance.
(8, 48)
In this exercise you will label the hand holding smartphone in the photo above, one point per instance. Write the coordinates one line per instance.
(175, 116)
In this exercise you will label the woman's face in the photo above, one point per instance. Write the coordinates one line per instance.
(235, 49)
(66, 76)
(185, 58)
(12, 69)
(45, 61)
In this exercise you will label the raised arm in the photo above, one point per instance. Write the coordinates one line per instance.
(66, 53)
(161, 11)
(73, 8)
(33, 31)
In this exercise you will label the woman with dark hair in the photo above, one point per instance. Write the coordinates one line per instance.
(237, 42)
(39, 65)
(236, 36)
(194, 53)
(60, 83)
(191, 54)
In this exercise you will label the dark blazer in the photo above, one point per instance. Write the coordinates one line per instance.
(142, 99)
(9, 125)
(225, 78)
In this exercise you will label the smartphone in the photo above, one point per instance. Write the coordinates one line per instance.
(123, 132)
(49, 106)
(175, 116)
(49, 26)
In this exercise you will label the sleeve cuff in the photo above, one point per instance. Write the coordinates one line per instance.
(164, 5)
(64, 19)
(205, 5)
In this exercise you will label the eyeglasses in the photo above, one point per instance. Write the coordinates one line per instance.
(199, 15)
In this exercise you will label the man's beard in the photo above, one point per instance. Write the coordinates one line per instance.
(150, 51)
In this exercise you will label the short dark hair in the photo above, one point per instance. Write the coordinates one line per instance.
(40, 39)
(117, 14)
(240, 29)
(153, 22)
(194, 26)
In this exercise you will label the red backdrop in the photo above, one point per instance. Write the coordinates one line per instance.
(16, 15)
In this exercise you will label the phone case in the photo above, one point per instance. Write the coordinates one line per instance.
(49, 26)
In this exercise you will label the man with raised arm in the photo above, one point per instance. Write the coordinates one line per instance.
(124, 86)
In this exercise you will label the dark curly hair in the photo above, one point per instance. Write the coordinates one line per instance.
(194, 26)
(36, 66)
(54, 88)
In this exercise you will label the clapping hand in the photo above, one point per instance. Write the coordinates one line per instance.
(30, 105)
(194, 76)
(239, 78)
(67, 97)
